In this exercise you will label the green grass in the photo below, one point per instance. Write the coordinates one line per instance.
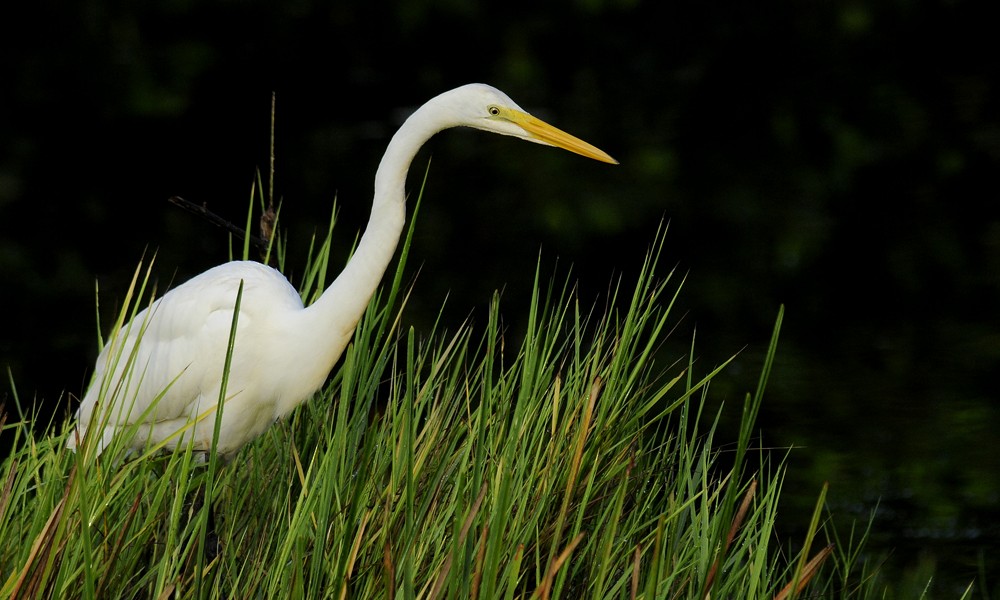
(561, 461)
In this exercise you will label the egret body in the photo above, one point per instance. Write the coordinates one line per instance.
(283, 351)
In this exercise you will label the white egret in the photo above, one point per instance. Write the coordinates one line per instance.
(283, 351)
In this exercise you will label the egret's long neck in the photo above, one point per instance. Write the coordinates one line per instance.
(333, 317)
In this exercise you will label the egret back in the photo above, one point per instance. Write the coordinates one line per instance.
(165, 367)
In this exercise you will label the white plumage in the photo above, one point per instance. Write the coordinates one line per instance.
(166, 367)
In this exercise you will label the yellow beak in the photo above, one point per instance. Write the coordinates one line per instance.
(547, 134)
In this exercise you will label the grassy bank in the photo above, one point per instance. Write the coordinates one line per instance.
(561, 461)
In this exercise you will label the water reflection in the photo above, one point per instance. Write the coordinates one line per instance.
(921, 461)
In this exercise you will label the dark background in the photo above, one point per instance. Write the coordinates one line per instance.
(837, 157)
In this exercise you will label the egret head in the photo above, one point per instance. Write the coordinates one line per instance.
(484, 107)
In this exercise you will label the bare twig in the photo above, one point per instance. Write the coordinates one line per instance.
(200, 209)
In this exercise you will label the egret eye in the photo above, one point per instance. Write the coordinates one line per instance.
(494, 111)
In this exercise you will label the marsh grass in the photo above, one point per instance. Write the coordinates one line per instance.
(449, 463)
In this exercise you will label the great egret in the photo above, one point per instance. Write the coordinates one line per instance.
(283, 352)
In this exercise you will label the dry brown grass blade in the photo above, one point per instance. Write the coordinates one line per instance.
(9, 484)
(355, 547)
(545, 588)
(574, 472)
(808, 572)
(168, 591)
(477, 574)
(32, 576)
(446, 567)
(737, 523)
(588, 416)
(635, 572)
(390, 571)
(118, 545)
(741, 514)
